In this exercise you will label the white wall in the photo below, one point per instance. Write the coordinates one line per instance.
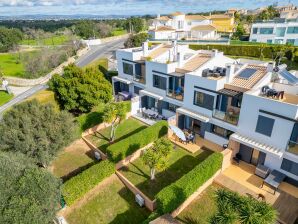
(215, 138)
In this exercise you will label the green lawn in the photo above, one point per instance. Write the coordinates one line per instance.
(125, 129)
(201, 209)
(180, 162)
(118, 32)
(55, 40)
(73, 160)
(45, 96)
(113, 204)
(4, 97)
(11, 65)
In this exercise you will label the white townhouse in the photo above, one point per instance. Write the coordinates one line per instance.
(280, 31)
(181, 26)
(250, 105)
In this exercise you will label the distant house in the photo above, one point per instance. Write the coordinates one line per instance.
(190, 27)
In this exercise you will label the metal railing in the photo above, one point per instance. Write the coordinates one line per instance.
(177, 96)
(139, 78)
(229, 117)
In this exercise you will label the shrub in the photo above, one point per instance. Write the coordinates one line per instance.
(169, 198)
(79, 185)
(126, 147)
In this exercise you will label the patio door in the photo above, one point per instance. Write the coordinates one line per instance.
(246, 153)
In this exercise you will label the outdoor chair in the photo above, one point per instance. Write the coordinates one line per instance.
(237, 158)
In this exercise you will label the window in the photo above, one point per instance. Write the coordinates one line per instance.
(180, 24)
(137, 90)
(266, 30)
(291, 41)
(278, 41)
(269, 41)
(253, 40)
(127, 68)
(172, 107)
(289, 166)
(221, 131)
(280, 31)
(159, 82)
(265, 125)
(236, 102)
(189, 23)
(292, 30)
(255, 30)
(203, 100)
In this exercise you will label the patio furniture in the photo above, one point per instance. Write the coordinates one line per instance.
(237, 158)
(274, 179)
(262, 171)
(125, 95)
(150, 113)
(178, 132)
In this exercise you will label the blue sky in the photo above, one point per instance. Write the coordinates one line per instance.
(124, 7)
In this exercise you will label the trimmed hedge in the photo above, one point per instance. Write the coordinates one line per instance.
(172, 196)
(76, 187)
(242, 50)
(126, 147)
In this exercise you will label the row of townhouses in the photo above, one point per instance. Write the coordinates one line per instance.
(250, 105)
(190, 27)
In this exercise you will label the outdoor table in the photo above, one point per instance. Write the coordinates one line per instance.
(274, 179)
(150, 112)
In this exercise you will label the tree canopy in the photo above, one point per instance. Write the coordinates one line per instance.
(79, 90)
(136, 40)
(28, 194)
(36, 130)
(9, 38)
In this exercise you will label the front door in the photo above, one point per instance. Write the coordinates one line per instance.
(246, 153)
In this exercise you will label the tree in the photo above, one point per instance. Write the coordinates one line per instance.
(114, 113)
(9, 38)
(85, 29)
(136, 40)
(240, 31)
(156, 156)
(79, 90)
(28, 194)
(36, 130)
(135, 24)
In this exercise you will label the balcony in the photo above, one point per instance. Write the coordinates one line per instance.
(139, 78)
(177, 95)
(293, 147)
(230, 116)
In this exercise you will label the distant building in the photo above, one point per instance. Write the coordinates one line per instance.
(276, 32)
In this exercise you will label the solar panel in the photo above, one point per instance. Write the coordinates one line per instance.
(247, 73)
(288, 76)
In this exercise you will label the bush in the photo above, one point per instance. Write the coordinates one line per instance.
(79, 185)
(126, 147)
(268, 51)
(169, 198)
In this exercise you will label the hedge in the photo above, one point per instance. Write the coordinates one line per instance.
(126, 147)
(172, 196)
(76, 187)
(242, 50)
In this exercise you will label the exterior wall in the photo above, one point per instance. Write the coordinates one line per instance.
(264, 37)
(223, 24)
(216, 138)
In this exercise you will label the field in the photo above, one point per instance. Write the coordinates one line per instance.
(179, 163)
(11, 65)
(55, 40)
(113, 203)
(45, 96)
(118, 32)
(4, 97)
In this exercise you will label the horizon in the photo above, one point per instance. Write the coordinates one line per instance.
(102, 8)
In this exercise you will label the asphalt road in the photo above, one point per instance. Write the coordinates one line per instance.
(103, 50)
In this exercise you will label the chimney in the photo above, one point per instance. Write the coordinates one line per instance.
(180, 58)
(230, 72)
(270, 66)
(214, 52)
(145, 48)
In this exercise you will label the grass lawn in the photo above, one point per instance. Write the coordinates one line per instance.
(10, 65)
(114, 203)
(201, 209)
(55, 40)
(125, 129)
(180, 162)
(5, 97)
(45, 96)
(118, 32)
(72, 160)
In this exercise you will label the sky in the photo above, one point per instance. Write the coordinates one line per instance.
(124, 7)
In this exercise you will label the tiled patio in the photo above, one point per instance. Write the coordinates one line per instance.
(147, 121)
(241, 178)
(199, 143)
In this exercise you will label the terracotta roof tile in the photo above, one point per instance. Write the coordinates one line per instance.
(203, 27)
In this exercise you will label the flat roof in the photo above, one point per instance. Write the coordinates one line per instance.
(288, 98)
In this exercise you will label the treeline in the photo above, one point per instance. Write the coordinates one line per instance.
(9, 38)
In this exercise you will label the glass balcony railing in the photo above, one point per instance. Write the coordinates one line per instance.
(293, 147)
(139, 78)
(230, 117)
(175, 95)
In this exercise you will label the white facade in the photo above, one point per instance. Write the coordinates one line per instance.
(215, 120)
(276, 33)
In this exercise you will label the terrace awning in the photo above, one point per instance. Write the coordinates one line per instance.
(192, 114)
(229, 92)
(256, 144)
(117, 78)
(147, 93)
